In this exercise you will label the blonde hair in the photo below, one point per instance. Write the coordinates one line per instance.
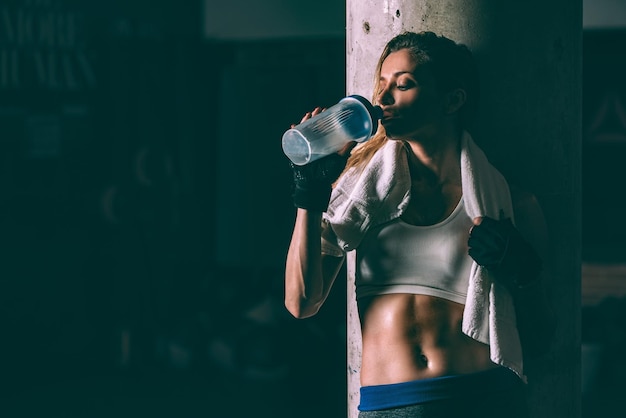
(363, 153)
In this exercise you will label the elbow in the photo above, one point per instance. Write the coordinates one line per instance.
(301, 309)
(302, 301)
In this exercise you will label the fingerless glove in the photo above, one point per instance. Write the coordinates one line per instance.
(499, 247)
(313, 181)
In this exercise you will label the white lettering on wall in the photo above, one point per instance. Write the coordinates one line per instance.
(43, 46)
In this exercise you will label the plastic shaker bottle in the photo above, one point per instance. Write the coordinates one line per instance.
(354, 118)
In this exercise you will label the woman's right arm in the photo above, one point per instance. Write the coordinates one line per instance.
(309, 274)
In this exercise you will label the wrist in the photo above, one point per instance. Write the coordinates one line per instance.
(526, 280)
(312, 198)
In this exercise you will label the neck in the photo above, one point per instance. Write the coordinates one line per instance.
(436, 157)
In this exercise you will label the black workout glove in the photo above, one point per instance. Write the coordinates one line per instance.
(500, 248)
(313, 181)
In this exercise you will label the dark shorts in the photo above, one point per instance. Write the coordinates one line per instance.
(494, 393)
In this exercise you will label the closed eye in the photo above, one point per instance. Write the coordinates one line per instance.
(405, 85)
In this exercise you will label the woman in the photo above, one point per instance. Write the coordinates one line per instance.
(446, 285)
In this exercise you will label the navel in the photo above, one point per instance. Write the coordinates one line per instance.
(423, 360)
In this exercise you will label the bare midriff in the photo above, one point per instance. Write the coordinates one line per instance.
(410, 337)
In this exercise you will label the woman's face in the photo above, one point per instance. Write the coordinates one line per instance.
(408, 95)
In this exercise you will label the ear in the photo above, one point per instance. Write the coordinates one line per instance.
(455, 99)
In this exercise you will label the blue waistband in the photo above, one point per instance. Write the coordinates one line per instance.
(374, 398)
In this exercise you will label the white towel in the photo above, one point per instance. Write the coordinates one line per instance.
(381, 192)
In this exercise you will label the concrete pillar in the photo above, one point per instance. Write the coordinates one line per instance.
(529, 54)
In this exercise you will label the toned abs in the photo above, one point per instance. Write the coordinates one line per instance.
(409, 337)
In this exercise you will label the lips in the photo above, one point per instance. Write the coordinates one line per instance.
(387, 115)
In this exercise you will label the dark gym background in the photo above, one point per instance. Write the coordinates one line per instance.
(145, 215)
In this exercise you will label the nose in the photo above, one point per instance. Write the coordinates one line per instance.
(384, 97)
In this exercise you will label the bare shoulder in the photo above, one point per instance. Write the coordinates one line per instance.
(529, 218)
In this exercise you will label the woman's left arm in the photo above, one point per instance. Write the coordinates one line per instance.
(535, 318)
(515, 255)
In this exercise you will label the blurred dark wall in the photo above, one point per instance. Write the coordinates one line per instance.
(101, 116)
(145, 214)
(604, 146)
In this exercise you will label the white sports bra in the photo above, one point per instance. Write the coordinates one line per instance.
(397, 257)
